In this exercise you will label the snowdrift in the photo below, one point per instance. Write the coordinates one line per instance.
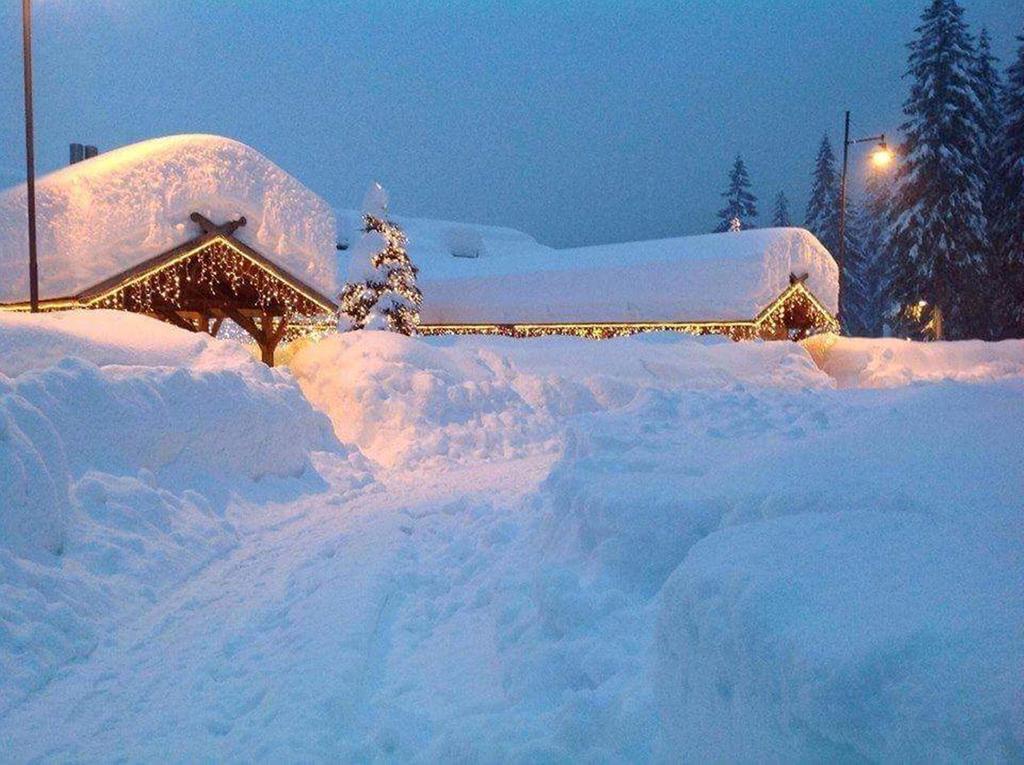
(113, 478)
(106, 214)
(857, 362)
(405, 400)
(108, 337)
(730, 276)
(655, 548)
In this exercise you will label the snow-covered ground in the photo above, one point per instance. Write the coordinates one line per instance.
(653, 548)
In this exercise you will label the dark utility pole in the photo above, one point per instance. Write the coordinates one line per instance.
(881, 151)
(30, 156)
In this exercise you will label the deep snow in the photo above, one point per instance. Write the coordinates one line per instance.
(106, 214)
(651, 548)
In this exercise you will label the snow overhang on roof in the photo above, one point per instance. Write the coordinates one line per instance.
(102, 216)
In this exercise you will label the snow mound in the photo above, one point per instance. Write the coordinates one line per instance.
(856, 362)
(179, 424)
(114, 478)
(857, 595)
(39, 341)
(856, 637)
(731, 276)
(405, 400)
(106, 214)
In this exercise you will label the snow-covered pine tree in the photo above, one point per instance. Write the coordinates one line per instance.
(381, 291)
(989, 85)
(873, 234)
(740, 202)
(823, 221)
(1009, 219)
(822, 217)
(780, 217)
(939, 229)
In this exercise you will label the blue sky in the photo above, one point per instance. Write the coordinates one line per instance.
(580, 122)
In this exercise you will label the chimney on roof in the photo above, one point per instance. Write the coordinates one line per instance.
(80, 152)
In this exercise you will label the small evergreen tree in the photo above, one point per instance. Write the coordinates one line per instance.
(823, 221)
(939, 229)
(740, 202)
(780, 217)
(1008, 225)
(381, 292)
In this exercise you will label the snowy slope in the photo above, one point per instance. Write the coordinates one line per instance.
(114, 467)
(106, 214)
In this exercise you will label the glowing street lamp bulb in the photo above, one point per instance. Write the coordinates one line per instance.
(882, 156)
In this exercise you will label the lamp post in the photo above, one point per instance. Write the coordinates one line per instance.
(881, 157)
(30, 156)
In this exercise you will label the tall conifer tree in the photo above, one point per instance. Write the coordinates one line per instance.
(1008, 225)
(781, 217)
(823, 221)
(741, 204)
(939, 229)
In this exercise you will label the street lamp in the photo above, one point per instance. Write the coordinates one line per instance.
(30, 156)
(880, 157)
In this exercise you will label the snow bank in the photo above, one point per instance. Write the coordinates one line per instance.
(859, 597)
(114, 478)
(850, 637)
(856, 362)
(716, 276)
(404, 400)
(39, 341)
(106, 214)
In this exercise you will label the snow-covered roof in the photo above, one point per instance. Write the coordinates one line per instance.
(102, 216)
(729, 276)
(440, 243)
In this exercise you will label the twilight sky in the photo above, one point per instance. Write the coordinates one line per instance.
(579, 122)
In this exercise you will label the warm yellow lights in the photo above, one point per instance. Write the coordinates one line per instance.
(771, 323)
(882, 156)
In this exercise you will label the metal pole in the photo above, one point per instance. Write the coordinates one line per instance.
(842, 219)
(30, 156)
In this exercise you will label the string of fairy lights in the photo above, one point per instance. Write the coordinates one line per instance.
(796, 313)
(206, 274)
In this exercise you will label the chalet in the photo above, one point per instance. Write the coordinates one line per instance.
(125, 231)
(763, 283)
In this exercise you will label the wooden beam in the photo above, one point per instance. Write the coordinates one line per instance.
(209, 227)
(173, 317)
